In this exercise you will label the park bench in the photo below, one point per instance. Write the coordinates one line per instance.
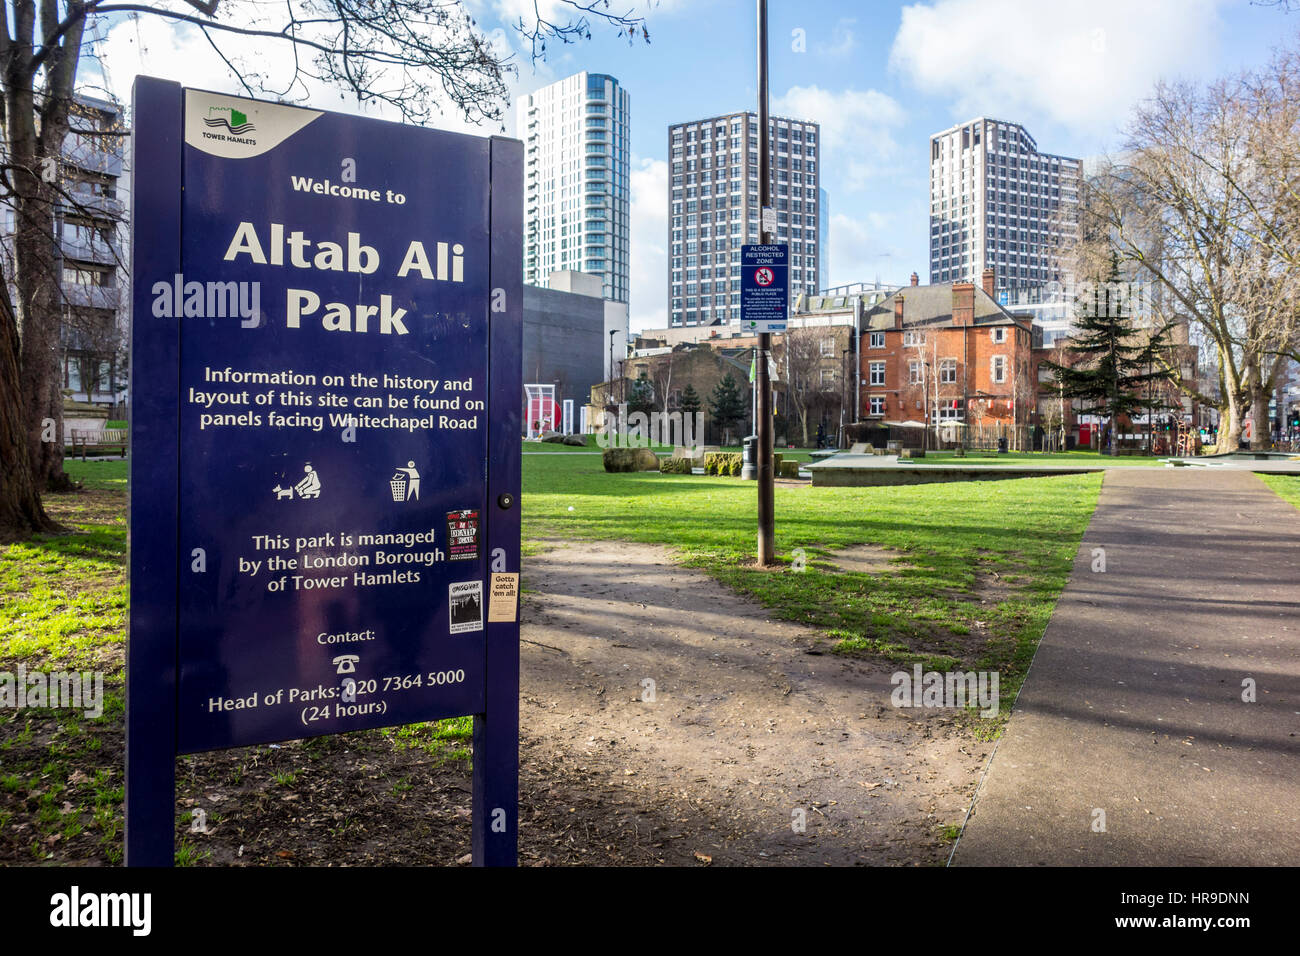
(101, 439)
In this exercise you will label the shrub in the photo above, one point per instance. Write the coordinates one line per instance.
(675, 466)
(722, 463)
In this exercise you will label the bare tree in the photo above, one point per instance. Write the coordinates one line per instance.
(1022, 399)
(804, 361)
(415, 57)
(1205, 201)
(662, 376)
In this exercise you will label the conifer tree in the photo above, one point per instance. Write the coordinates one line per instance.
(1114, 364)
(726, 404)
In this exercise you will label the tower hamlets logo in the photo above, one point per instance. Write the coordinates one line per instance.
(236, 123)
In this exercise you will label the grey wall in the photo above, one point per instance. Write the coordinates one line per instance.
(564, 343)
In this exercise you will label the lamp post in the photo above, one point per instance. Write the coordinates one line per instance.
(844, 399)
(610, 373)
(763, 427)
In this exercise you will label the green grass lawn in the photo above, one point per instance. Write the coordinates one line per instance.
(63, 607)
(1012, 541)
(102, 475)
(1287, 486)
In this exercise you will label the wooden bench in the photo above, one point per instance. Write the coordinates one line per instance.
(101, 439)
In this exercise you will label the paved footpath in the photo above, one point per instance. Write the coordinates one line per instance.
(1133, 705)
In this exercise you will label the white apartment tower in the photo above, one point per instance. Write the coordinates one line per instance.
(576, 190)
(997, 202)
(713, 209)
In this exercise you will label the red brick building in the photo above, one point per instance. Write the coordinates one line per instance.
(948, 353)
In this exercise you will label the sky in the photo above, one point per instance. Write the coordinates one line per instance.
(880, 77)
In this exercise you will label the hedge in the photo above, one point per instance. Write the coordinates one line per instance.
(723, 463)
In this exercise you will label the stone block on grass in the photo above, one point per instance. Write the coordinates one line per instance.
(630, 459)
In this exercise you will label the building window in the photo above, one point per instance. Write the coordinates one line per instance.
(828, 347)
(877, 373)
(950, 409)
(948, 372)
(912, 338)
(877, 404)
(828, 378)
(914, 374)
(877, 340)
(999, 335)
(999, 369)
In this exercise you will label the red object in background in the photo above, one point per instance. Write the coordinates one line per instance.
(546, 412)
(1085, 434)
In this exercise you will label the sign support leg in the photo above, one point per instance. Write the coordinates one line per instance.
(154, 553)
(496, 733)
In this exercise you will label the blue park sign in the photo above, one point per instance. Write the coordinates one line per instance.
(326, 393)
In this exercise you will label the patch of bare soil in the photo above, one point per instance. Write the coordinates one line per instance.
(749, 728)
(866, 559)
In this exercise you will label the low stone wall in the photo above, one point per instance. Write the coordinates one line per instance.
(845, 477)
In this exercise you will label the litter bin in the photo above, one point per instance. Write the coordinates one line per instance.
(398, 484)
(749, 458)
(1002, 446)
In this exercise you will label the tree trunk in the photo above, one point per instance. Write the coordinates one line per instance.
(37, 276)
(34, 144)
(1229, 436)
(21, 512)
(1262, 434)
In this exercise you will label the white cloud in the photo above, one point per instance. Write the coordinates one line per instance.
(648, 282)
(862, 249)
(1081, 63)
(857, 142)
(841, 42)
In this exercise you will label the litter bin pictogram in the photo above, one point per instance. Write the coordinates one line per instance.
(398, 483)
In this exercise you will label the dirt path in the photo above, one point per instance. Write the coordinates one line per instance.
(750, 722)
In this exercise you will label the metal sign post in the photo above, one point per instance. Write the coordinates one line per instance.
(326, 380)
(763, 426)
